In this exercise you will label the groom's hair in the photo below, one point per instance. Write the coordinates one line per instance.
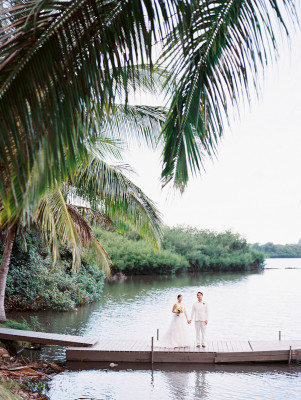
(200, 293)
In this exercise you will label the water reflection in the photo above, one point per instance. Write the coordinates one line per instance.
(170, 381)
(257, 369)
(137, 284)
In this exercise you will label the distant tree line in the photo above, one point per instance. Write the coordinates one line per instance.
(183, 249)
(272, 250)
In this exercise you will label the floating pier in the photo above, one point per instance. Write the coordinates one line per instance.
(86, 349)
(216, 352)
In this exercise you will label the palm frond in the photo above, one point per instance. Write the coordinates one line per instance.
(138, 79)
(108, 190)
(96, 253)
(54, 220)
(91, 247)
(94, 217)
(132, 123)
(215, 53)
(60, 60)
(61, 223)
(140, 123)
(56, 58)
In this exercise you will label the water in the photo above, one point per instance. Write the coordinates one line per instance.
(181, 382)
(242, 306)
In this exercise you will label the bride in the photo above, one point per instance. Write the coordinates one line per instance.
(177, 333)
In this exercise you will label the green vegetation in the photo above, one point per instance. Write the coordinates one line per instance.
(9, 388)
(272, 250)
(79, 59)
(62, 92)
(210, 251)
(72, 67)
(131, 254)
(34, 283)
(11, 324)
(32, 324)
(115, 200)
(182, 249)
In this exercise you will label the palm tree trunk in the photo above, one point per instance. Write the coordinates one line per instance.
(10, 237)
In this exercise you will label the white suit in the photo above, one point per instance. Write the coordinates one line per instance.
(200, 313)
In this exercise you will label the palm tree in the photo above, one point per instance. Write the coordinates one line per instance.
(96, 182)
(62, 61)
(109, 196)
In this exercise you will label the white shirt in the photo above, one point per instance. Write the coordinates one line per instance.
(200, 310)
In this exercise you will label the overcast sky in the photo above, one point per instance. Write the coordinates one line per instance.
(254, 187)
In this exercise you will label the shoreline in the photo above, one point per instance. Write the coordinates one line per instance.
(23, 379)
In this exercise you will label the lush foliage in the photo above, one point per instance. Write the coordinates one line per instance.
(33, 283)
(79, 58)
(279, 250)
(207, 250)
(182, 249)
(133, 255)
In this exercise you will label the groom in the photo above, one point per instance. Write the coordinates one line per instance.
(200, 310)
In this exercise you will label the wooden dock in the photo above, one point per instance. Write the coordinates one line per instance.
(145, 351)
(46, 338)
(216, 352)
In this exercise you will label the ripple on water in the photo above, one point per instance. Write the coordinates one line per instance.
(178, 384)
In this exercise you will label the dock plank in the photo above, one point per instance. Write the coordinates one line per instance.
(45, 338)
(228, 346)
(275, 345)
(251, 357)
(231, 348)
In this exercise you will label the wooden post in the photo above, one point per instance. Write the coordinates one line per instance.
(279, 335)
(152, 355)
(157, 334)
(290, 356)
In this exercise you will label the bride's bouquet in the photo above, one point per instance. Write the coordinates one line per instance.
(180, 310)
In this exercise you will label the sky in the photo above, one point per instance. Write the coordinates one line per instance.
(254, 186)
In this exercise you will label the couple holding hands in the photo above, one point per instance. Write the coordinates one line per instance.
(177, 335)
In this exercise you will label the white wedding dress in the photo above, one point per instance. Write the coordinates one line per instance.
(177, 334)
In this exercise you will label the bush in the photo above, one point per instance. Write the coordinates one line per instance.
(182, 249)
(137, 257)
(34, 284)
(210, 251)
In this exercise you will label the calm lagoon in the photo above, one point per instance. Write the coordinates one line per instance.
(242, 306)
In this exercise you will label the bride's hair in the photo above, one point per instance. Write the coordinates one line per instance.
(179, 295)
